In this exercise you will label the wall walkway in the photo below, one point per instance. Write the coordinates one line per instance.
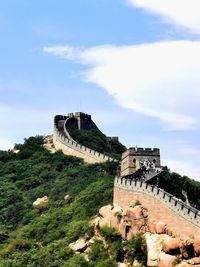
(63, 141)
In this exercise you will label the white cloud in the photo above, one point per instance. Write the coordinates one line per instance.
(185, 13)
(64, 51)
(160, 80)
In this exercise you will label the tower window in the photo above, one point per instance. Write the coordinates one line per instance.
(134, 160)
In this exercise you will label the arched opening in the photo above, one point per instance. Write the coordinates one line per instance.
(134, 160)
(154, 161)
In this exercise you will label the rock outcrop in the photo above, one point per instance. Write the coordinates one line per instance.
(48, 143)
(41, 201)
(79, 245)
(130, 221)
(67, 199)
(164, 248)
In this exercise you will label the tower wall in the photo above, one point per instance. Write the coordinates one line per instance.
(132, 158)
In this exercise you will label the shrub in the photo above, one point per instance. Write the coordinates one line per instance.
(110, 234)
(135, 249)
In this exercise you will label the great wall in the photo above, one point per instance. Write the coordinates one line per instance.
(63, 141)
(183, 219)
(131, 184)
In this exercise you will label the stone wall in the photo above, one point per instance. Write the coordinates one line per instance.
(63, 141)
(162, 206)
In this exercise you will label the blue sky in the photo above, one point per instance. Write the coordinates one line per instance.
(132, 64)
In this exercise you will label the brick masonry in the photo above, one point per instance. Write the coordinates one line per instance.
(183, 220)
(63, 141)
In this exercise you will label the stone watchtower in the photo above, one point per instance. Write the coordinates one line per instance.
(80, 121)
(134, 157)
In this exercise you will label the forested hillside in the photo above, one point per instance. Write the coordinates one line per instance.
(176, 185)
(39, 236)
(98, 141)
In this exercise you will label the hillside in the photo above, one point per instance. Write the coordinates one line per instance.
(39, 236)
(28, 235)
(98, 141)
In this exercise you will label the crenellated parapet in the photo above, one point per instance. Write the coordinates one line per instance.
(161, 205)
(63, 141)
(142, 151)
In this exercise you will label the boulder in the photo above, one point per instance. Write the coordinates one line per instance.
(166, 260)
(79, 245)
(171, 245)
(133, 213)
(136, 217)
(152, 226)
(104, 222)
(105, 216)
(196, 246)
(41, 201)
(194, 261)
(185, 264)
(154, 247)
(67, 198)
(169, 231)
(105, 211)
(187, 249)
(160, 227)
(116, 216)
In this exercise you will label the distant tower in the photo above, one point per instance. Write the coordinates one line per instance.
(80, 121)
(134, 157)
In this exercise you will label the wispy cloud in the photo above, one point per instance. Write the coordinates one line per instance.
(184, 13)
(66, 51)
(160, 80)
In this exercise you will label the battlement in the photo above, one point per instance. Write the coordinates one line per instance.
(159, 203)
(79, 115)
(140, 151)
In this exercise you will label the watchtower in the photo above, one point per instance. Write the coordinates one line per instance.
(134, 158)
(80, 121)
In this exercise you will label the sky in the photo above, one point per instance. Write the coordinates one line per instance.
(132, 64)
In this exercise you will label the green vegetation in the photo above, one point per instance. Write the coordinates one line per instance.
(136, 203)
(40, 236)
(174, 184)
(97, 141)
(119, 249)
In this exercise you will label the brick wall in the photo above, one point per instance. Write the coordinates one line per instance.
(183, 220)
(70, 147)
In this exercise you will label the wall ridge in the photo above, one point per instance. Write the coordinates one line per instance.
(179, 207)
(62, 141)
